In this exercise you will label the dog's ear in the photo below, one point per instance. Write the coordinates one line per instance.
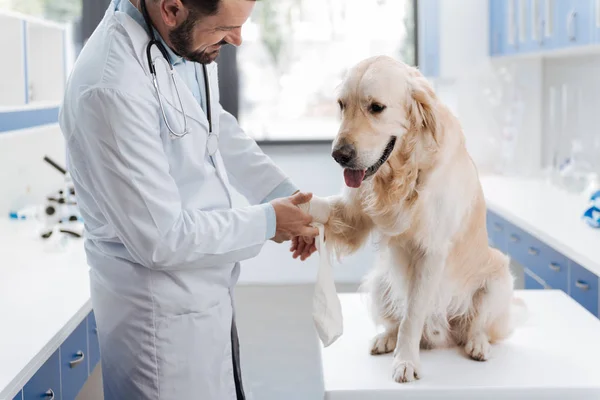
(422, 108)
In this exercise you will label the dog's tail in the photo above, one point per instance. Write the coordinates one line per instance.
(518, 312)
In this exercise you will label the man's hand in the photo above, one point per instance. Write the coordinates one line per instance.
(291, 220)
(303, 247)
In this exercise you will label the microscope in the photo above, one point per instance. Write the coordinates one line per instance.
(60, 211)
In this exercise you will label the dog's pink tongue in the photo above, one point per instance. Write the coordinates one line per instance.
(354, 177)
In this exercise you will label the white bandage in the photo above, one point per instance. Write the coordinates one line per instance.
(327, 310)
(318, 208)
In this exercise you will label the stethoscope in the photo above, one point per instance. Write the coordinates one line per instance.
(212, 143)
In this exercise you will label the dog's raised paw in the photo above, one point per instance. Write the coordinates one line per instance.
(383, 343)
(478, 348)
(404, 371)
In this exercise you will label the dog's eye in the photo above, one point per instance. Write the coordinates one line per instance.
(341, 105)
(376, 108)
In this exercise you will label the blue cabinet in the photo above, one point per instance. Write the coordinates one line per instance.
(596, 21)
(544, 266)
(529, 26)
(74, 368)
(584, 288)
(63, 375)
(45, 383)
(93, 343)
(573, 22)
(496, 231)
(497, 32)
(428, 12)
(531, 283)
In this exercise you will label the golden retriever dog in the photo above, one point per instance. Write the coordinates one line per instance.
(410, 180)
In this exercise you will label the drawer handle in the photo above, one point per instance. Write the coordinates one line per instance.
(96, 331)
(582, 285)
(80, 358)
(554, 267)
(533, 251)
(497, 227)
(514, 238)
(50, 394)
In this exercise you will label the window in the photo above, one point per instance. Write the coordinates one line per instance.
(296, 52)
(53, 10)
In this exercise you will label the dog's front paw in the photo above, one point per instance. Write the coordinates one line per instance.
(405, 371)
(478, 348)
(384, 343)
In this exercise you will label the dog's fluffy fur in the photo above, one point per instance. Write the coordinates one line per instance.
(437, 281)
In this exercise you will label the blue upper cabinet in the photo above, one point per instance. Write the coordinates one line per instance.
(573, 22)
(428, 12)
(530, 26)
(498, 32)
(596, 21)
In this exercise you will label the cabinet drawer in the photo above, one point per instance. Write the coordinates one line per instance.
(517, 242)
(45, 384)
(584, 288)
(548, 264)
(531, 282)
(93, 343)
(74, 370)
(496, 228)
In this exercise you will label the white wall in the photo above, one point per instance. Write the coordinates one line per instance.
(25, 178)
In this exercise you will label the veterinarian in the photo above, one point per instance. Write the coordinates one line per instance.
(151, 155)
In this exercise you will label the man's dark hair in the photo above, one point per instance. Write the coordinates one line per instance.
(204, 7)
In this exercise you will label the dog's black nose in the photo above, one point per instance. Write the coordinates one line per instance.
(343, 155)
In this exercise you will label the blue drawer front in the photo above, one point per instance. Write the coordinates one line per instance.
(93, 343)
(46, 380)
(531, 282)
(517, 244)
(496, 228)
(74, 368)
(19, 396)
(584, 288)
(552, 267)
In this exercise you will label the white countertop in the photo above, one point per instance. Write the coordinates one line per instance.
(44, 295)
(555, 355)
(552, 215)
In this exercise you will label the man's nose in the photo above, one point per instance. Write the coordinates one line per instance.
(344, 154)
(235, 37)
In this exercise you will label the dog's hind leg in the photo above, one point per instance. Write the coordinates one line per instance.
(491, 313)
(385, 342)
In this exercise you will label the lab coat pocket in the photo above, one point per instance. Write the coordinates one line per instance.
(189, 350)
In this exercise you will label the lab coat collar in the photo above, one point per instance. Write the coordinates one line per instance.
(139, 38)
(128, 8)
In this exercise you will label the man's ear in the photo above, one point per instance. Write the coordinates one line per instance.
(422, 109)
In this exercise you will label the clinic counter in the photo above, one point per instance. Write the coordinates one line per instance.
(48, 339)
(547, 213)
(48, 342)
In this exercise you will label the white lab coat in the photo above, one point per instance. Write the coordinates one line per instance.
(163, 242)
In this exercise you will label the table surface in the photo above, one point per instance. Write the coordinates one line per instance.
(44, 295)
(547, 212)
(555, 354)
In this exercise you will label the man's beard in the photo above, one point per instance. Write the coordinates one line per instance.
(181, 39)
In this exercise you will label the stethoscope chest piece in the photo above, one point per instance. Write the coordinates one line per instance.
(212, 144)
